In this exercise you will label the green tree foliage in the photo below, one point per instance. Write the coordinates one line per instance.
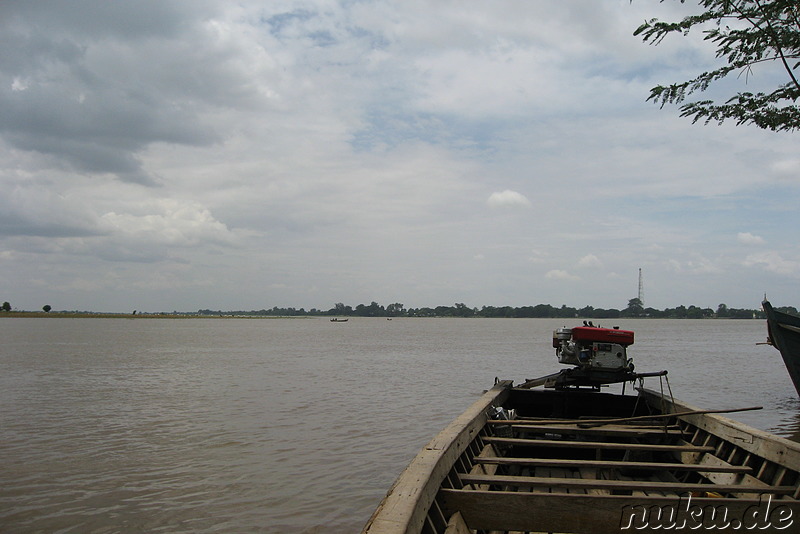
(634, 309)
(6, 306)
(460, 309)
(394, 310)
(340, 309)
(791, 310)
(373, 310)
(47, 308)
(746, 33)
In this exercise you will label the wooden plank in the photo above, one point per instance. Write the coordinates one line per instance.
(624, 485)
(595, 514)
(571, 424)
(614, 464)
(456, 525)
(538, 471)
(774, 448)
(564, 474)
(597, 445)
(587, 473)
(617, 430)
(722, 477)
(641, 489)
(651, 417)
(486, 468)
(487, 452)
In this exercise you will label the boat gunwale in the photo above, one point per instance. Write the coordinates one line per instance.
(408, 501)
(750, 439)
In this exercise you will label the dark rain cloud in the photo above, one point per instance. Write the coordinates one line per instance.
(83, 83)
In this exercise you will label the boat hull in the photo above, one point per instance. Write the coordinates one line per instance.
(784, 335)
(587, 462)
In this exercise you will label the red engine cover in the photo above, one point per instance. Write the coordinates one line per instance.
(602, 335)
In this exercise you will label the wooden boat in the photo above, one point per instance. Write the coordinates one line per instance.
(575, 460)
(784, 334)
(338, 320)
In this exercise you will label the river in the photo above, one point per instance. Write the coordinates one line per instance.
(291, 425)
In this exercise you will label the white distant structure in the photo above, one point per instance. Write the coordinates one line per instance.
(641, 288)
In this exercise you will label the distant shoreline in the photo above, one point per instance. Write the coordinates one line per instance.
(541, 311)
(99, 315)
(165, 315)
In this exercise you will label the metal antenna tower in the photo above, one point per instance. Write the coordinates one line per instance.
(641, 288)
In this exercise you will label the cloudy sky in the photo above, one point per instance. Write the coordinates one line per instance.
(242, 155)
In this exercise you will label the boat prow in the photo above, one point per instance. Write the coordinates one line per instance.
(784, 334)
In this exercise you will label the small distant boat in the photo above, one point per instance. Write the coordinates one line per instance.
(570, 459)
(783, 332)
(338, 320)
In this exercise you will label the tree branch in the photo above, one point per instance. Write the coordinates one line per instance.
(776, 42)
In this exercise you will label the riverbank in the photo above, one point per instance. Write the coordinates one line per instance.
(186, 315)
(98, 315)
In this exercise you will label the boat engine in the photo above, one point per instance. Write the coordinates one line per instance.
(599, 357)
(593, 348)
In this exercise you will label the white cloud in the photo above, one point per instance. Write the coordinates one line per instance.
(695, 265)
(538, 256)
(749, 239)
(589, 261)
(558, 274)
(170, 222)
(19, 84)
(773, 262)
(787, 168)
(508, 199)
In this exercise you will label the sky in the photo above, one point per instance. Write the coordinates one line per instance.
(185, 155)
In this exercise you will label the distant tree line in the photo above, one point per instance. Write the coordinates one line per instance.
(6, 307)
(633, 310)
(459, 309)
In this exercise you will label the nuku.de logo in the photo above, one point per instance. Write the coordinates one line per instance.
(685, 515)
